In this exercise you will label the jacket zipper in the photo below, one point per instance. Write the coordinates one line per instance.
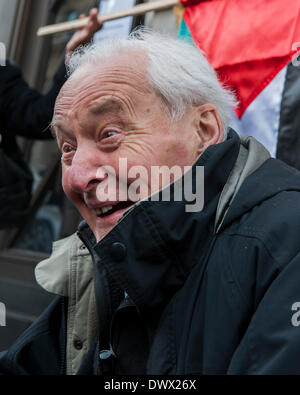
(99, 347)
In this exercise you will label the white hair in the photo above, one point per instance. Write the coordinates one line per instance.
(177, 71)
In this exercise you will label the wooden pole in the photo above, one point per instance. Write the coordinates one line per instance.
(79, 23)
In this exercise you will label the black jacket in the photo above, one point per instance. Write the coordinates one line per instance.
(202, 299)
(23, 112)
(288, 144)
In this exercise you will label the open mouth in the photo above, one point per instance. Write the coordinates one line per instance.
(108, 210)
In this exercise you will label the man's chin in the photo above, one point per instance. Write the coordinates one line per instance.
(102, 225)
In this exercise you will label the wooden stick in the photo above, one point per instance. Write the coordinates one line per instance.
(79, 23)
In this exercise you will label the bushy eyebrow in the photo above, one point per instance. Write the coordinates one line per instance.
(110, 106)
(57, 133)
(105, 107)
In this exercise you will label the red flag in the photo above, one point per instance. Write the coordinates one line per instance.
(247, 41)
(191, 2)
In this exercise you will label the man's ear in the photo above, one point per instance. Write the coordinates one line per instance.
(208, 126)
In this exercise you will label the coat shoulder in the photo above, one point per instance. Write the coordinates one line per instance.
(275, 223)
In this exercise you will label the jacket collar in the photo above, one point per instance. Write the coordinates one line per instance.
(151, 251)
(54, 273)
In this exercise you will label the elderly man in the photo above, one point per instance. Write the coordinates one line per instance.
(170, 289)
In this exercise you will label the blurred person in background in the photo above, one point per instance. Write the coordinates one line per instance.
(26, 112)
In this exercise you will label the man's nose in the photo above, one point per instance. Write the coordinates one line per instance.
(84, 175)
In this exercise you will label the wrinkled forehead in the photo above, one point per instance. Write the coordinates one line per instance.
(124, 72)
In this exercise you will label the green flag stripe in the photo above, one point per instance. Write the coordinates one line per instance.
(184, 33)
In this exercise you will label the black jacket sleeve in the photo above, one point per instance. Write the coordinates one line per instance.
(23, 110)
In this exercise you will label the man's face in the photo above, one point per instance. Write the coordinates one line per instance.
(109, 112)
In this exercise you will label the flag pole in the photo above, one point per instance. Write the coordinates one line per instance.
(139, 9)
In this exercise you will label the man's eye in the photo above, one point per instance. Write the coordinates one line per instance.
(108, 134)
(66, 148)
